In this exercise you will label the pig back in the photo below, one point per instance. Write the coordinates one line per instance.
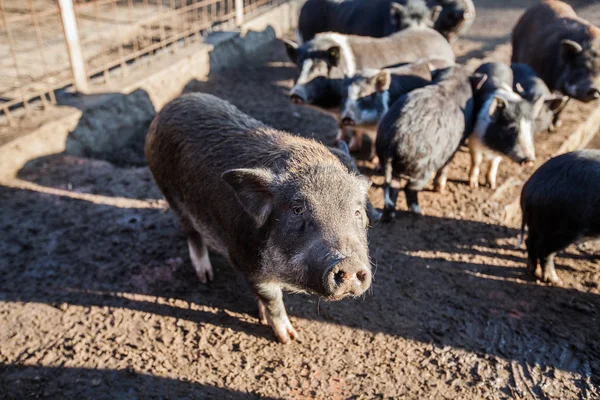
(191, 142)
(403, 47)
(423, 129)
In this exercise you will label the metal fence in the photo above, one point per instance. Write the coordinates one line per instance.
(47, 45)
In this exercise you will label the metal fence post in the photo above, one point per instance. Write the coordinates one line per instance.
(239, 12)
(69, 23)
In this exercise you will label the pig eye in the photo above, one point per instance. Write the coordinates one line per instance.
(298, 210)
(357, 213)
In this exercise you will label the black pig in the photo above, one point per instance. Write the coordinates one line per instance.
(561, 47)
(374, 18)
(504, 123)
(532, 88)
(561, 206)
(329, 58)
(422, 131)
(263, 199)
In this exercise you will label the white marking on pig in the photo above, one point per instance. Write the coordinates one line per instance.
(304, 73)
(201, 262)
(526, 138)
(346, 52)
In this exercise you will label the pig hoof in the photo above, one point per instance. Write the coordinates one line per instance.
(284, 331)
(416, 209)
(440, 188)
(473, 184)
(553, 279)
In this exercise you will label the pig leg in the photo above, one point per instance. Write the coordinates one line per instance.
(389, 205)
(272, 311)
(412, 190)
(532, 255)
(493, 171)
(476, 159)
(441, 177)
(199, 257)
(549, 273)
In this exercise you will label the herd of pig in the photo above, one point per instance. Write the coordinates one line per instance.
(290, 213)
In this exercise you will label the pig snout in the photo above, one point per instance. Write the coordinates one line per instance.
(592, 94)
(344, 278)
(298, 95)
(583, 93)
(348, 119)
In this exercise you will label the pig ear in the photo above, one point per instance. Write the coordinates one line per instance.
(520, 89)
(333, 55)
(538, 106)
(435, 13)
(292, 50)
(396, 13)
(570, 49)
(498, 104)
(556, 103)
(477, 80)
(383, 80)
(252, 188)
(459, 14)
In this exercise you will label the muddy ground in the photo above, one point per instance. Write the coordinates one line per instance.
(98, 298)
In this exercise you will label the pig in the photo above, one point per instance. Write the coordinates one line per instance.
(369, 93)
(561, 47)
(419, 135)
(504, 122)
(261, 198)
(561, 206)
(531, 88)
(374, 18)
(452, 18)
(342, 152)
(329, 58)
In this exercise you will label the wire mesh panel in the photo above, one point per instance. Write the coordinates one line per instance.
(117, 32)
(33, 57)
(112, 34)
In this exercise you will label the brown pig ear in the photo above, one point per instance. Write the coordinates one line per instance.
(498, 104)
(292, 49)
(383, 81)
(252, 188)
(477, 81)
(570, 49)
(556, 103)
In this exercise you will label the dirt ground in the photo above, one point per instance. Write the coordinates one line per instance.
(98, 298)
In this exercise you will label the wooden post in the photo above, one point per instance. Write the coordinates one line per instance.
(69, 23)
(239, 12)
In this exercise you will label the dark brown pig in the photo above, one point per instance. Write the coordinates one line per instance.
(264, 200)
(561, 47)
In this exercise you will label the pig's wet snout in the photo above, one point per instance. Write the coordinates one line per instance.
(347, 280)
(348, 121)
(593, 94)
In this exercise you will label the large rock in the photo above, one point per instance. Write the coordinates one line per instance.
(114, 129)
